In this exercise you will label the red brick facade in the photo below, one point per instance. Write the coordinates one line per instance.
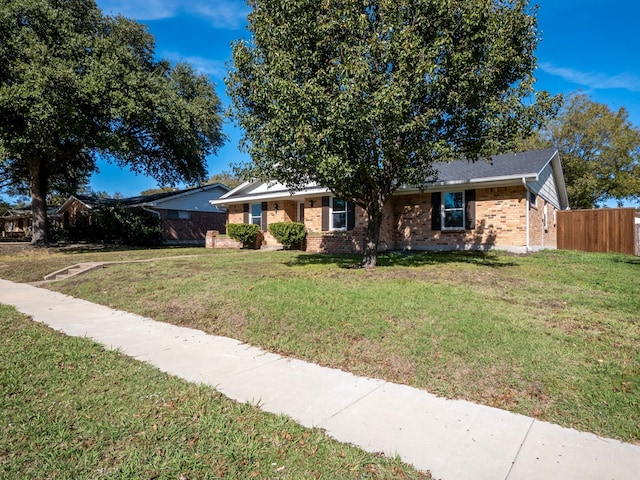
(192, 229)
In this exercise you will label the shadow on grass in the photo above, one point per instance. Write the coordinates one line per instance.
(628, 259)
(406, 259)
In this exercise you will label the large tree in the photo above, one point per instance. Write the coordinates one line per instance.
(363, 96)
(599, 149)
(75, 84)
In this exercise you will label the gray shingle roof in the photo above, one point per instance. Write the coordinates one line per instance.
(511, 164)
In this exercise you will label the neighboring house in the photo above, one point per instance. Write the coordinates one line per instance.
(509, 203)
(186, 215)
(18, 222)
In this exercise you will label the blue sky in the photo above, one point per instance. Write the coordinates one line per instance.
(588, 45)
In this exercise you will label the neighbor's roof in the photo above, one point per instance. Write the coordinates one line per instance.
(26, 212)
(140, 200)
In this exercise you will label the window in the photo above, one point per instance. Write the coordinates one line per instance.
(453, 211)
(179, 214)
(533, 200)
(338, 214)
(256, 214)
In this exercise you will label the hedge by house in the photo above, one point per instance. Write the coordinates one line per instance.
(245, 233)
(289, 234)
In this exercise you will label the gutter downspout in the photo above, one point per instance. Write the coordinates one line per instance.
(526, 189)
(146, 209)
(155, 212)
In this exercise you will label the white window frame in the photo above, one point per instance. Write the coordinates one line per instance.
(255, 219)
(333, 212)
(444, 210)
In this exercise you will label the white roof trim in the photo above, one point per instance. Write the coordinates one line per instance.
(71, 199)
(277, 195)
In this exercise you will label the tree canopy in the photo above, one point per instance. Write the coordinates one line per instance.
(226, 178)
(364, 96)
(599, 149)
(75, 84)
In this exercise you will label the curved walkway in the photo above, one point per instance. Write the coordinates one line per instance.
(455, 440)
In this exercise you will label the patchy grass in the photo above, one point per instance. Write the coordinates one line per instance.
(553, 335)
(24, 263)
(70, 409)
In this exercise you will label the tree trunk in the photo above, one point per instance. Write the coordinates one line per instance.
(372, 237)
(39, 187)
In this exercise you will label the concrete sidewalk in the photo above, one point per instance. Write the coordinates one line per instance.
(455, 440)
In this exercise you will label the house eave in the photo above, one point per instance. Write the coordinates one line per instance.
(475, 183)
(275, 195)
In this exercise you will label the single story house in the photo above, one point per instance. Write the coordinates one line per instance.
(17, 223)
(508, 202)
(186, 215)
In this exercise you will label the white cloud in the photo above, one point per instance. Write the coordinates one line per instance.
(229, 14)
(141, 9)
(223, 14)
(594, 80)
(205, 66)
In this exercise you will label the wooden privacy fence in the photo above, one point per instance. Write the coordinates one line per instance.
(599, 230)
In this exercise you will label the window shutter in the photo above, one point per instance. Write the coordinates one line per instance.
(265, 211)
(436, 220)
(351, 215)
(470, 209)
(245, 213)
(325, 214)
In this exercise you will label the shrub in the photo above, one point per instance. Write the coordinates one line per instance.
(289, 234)
(245, 233)
(119, 226)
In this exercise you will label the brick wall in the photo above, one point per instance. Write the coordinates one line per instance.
(193, 229)
(500, 213)
(500, 222)
(330, 242)
(540, 235)
(214, 240)
(235, 214)
(313, 215)
(504, 211)
(74, 212)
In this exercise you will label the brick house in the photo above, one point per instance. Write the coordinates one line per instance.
(17, 223)
(186, 215)
(507, 203)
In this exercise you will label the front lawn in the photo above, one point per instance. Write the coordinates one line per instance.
(71, 410)
(554, 335)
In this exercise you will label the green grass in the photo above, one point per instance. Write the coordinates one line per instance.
(553, 335)
(23, 263)
(71, 410)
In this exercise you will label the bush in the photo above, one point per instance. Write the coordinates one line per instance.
(121, 225)
(245, 233)
(289, 234)
(117, 225)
